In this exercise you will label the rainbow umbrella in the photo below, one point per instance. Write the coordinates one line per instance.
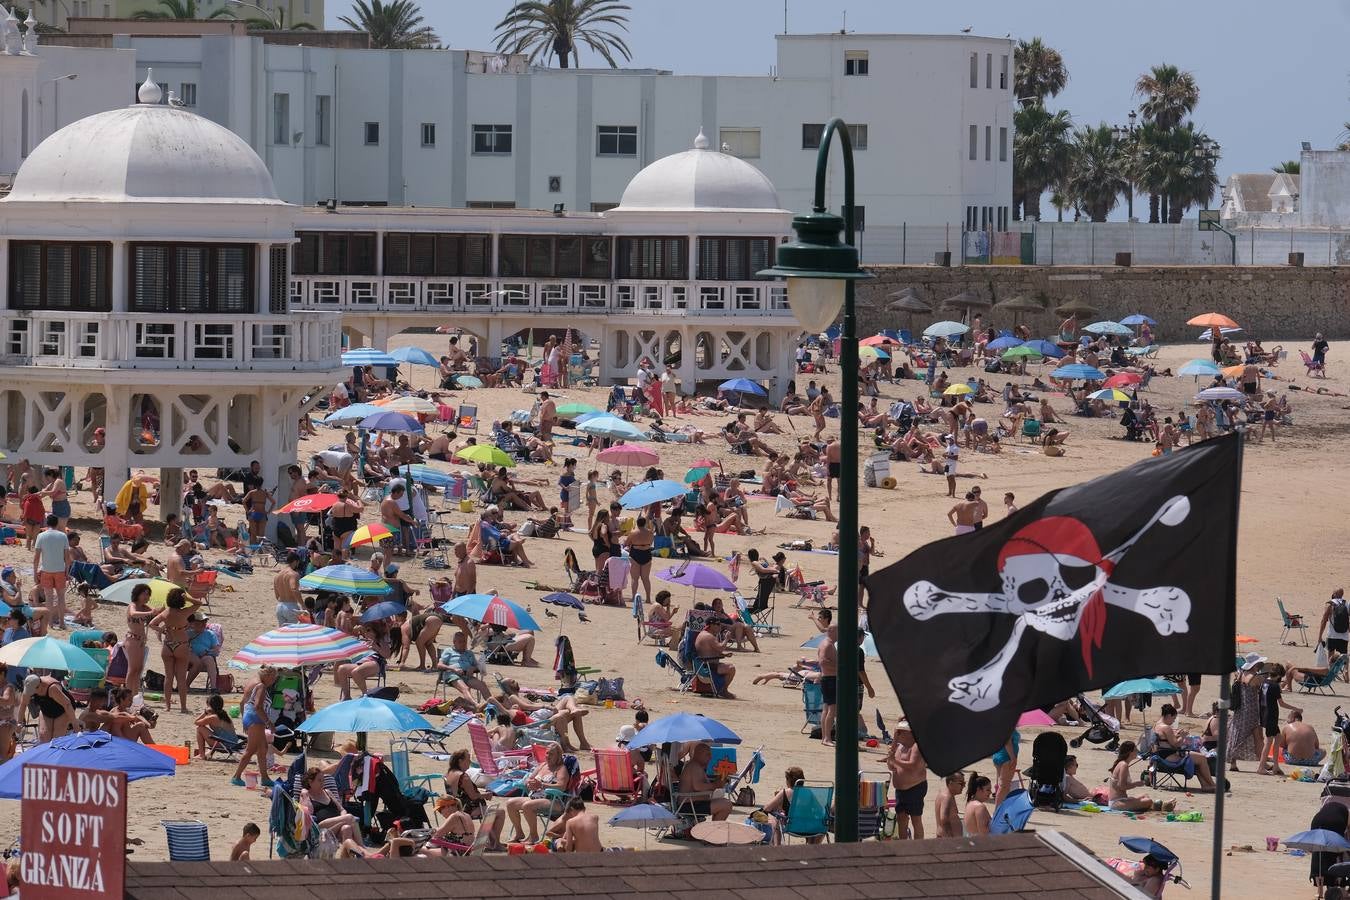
(370, 534)
(493, 609)
(410, 405)
(346, 580)
(1110, 395)
(296, 646)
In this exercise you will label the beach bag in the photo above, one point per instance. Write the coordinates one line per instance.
(154, 681)
(1321, 657)
(1235, 695)
(1340, 617)
(609, 689)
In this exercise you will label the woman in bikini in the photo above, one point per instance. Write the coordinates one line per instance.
(1119, 784)
(256, 713)
(134, 645)
(601, 538)
(342, 515)
(56, 712)
(172, 624)
(7, 720)
(551, 773)
(459, 785)
(639, 542)
(56, 490)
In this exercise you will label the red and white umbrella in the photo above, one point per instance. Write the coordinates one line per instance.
(310, 503)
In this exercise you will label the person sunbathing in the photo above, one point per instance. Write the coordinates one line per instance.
(1294, 673)
(1169, 745)
(1120, 783)
(550, 774)
(764, 423)
(559, 713)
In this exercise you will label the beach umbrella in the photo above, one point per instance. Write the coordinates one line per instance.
(427, 475)
(870, 353)
(909, 304)
(628, 455)
(705, 463)
(697, 575)
(87, 750)
(410, 405)
(1140, 686)
(309, 503)
(566, 601)
(1012, 813)
(696, 474)
(298, 646)
(945, 329)
(743, 386)
(1149, 847)
(1110, 395)
(1208, 333)
(1232, 371)
(1003, 343)
(958, 389)
(1020, 304)
(1212, 320)
(1220, 393)
(344, 579)
(1022, 351)
(966, 300)
(726, 834)
(368, 356)
(388, 420)
(684, 728)
(350, 415)
(468, 381)
(363, 715)
(1198, 367)
(48, 653)
(486, 453)
(414, 356)
(612, 427)
(371, 533)
(1045, 348)
(493, 609)
(644, 816)
(1077, 308)
(648, 492)
(1316, 840)
(877, 340)
(1034, 718)
(385, 609)
(1108, 327)
(120, 592)
(869, 645)
(1123, 378)
(1077, 371)
(571, 410)
(1137, 319)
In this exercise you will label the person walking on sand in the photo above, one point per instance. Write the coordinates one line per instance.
(833, 466)
(52, 557)
(909, 774)
(817, 411)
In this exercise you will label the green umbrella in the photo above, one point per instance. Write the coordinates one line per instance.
(1021, 352)
(694, 476)
(570, 410)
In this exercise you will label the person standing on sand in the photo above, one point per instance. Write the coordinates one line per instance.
(52, 557)
(962, 515)
(286, 586)
(950, 456)
(909, 774)
(833, 456)
(548, 416)
(981, 508)
(827, 655)
(944, 805)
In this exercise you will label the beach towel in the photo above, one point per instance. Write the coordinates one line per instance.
(564, 665)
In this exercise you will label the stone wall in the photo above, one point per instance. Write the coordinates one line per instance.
(1271, 303)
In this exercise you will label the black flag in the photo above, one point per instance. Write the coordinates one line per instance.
(1132, 574)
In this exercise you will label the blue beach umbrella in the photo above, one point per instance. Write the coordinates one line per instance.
(1046, 348)
(562, 598)
(1318, 840)
(48, 653)
(1077, 371)
(743, 386)
(1137, 319)
(383, 610)
(1149, 847)
(648, 492)
(388, 420)
(493, 609)
(1199, 367)
(427, 475)
(1115, 328)
(683, 727)
(86, 750)
(365, 714)
(415, 356)
(1003, 343)
(367, 356)
(1140, 686)
(612, 427)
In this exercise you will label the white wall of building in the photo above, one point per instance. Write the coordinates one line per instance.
(915, 100)
(1324, 179)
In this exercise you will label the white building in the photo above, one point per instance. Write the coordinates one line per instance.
(931, 117)
(1261, 200)
(145, 321)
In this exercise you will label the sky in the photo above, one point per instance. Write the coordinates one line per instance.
(1268, 80)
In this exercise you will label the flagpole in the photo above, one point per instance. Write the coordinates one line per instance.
(1227, 643)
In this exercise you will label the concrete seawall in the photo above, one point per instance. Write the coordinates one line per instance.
(1271, 302)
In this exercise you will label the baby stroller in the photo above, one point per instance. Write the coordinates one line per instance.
(1102, 729)
(1046, 773)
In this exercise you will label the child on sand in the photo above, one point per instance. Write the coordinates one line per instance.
(240, 850)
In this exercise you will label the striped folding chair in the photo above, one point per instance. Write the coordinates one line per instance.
(188, 841)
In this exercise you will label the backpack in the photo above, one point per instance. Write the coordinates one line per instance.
(1340, 617)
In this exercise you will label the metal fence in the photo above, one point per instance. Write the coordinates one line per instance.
(1097, 243)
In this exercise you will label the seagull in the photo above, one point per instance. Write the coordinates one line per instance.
(550, 613)
(967, 29)
(582, 617)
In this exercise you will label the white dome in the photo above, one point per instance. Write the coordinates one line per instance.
(700, 179)
(148, 153)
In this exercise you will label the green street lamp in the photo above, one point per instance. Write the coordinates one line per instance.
(821, 272)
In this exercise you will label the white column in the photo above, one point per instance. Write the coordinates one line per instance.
(272, 455)
(263, 300)
(687, 370)
(379, 338)
(120, 431)
(121, 302)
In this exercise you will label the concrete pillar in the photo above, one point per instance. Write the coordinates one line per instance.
(170, 491)
(379, 338)
(272, 453)
(687, 370)
(123, 427)
(784, 365)
(493, 346)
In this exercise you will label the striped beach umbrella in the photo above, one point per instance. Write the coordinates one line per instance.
(370, 534)
(409, 405)
(294, 646)
(493, 609)
(346, 580)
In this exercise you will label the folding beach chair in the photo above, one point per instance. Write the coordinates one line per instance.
(467, 419)
(1324, 684)
(188, 841)
(228, 745)
(1291, 621)
(761, 621)
(414, 787)
(809, 815)
(813, 704)
(434, 738)
(873, 788)
(615, 779)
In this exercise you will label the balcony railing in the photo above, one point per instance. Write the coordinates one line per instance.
(298, 341)
(393, 294)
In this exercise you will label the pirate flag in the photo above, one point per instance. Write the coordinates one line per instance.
(1129, 575)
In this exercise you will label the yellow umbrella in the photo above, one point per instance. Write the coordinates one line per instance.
(411, 405)
(959, 388)
(120, 592)
(370, 534)
(485, 453)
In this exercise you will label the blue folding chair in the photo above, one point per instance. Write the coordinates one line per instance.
(813, 704)
(188, 841)
(809, 814)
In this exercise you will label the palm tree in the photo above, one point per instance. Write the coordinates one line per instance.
(1059, 199)
(1169, 95)
(555, 27)
(392, 25)
(1193, 176)
(1150, 166)
(1095, 171)
(1345, 135)
(1038, 72)
(1040, 155)
(180, 9)
(1289, 167)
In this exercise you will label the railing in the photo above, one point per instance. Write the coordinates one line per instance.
(395, 294)
(300, 341)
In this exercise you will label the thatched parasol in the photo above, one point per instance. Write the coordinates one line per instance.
(1022, 303)
(966, 300)
(1080, 308)
(909, 304)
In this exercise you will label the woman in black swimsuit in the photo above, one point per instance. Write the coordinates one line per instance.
(601, 538)
(640, 541)
(328, 813)
(342, 516)
(461, 787)
(56, 712)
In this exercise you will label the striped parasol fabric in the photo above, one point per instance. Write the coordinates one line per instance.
(493, 609)
(372, 533)
(346, 580)
(292, 646)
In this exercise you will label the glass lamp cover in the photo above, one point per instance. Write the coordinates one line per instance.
(816, 302)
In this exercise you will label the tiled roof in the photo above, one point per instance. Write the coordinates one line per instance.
(1044, 866)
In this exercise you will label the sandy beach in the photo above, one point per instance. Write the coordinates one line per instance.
(1289, 532)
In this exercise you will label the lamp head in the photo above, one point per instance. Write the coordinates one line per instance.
(817, 266)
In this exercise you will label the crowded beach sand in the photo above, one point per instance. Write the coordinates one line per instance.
(1290, 529)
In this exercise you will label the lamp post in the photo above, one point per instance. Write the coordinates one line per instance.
(278, 19)
(1125, 134)
(821, 272)
(56, 96)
